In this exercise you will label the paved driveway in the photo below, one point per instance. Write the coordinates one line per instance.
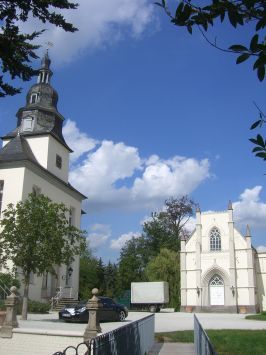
(167, 322)
(164, 322)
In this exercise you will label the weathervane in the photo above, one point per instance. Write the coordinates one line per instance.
(48, 45)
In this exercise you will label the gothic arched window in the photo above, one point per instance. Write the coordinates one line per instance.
(215, 240)
(216, 281)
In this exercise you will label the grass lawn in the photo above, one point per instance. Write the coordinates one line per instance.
(229, 342)
(261, 316)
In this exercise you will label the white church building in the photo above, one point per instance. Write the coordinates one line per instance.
(220, 269)
(35, 158)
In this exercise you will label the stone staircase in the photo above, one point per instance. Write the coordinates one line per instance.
(217, 309)
(64, 302)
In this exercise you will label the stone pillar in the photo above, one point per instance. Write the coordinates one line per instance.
(183, 274)
(94, 305)
(198, 286)
(10, 322)
(232, 258)
(251, 273)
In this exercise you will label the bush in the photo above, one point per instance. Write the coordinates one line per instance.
(38, 307)
(2, 305)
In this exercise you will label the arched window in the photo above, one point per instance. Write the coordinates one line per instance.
(215, 240)
(216, 281)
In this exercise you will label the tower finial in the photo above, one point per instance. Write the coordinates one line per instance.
(248, 234)
(198, 208)
(230, 207)
(46, 61)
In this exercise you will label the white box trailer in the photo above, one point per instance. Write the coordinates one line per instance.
(149, 295)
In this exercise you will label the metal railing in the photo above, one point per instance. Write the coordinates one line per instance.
(4, 290)
(55, 300)
(135, 338)
(202, 343)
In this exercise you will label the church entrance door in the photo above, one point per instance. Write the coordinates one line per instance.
(217, 291)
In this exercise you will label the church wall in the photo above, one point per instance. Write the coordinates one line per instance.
(261, 280)
(233, 263)
(46, 156)
(12, 177)
(54, 149)
(214, 219)
(35, 144)
(5, 141)
(56, 194)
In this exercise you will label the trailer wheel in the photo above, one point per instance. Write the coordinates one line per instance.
(158, 309)
(152, 309)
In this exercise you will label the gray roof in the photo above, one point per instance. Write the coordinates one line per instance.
(17, 149)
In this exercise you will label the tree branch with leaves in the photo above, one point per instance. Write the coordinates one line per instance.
(17, 50)
(36, 237)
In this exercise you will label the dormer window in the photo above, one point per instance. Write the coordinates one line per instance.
(34, 98)
(58, 161)
(28, 123)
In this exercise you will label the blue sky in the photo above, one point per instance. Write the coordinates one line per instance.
(152, 112)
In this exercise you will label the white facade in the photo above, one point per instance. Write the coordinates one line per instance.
(220, 270)
(38, 160)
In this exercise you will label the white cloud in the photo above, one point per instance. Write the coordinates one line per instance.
(100, 23)
(250, 209)
(261, 249)
(78, 141)
(191, 224)
(98, 235)
(118, 243)
(115, 175)
(173, 177)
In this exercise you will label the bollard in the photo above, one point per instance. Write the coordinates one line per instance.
(10, 322)
(94, 305)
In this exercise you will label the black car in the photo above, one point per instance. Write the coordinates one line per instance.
(111, 311)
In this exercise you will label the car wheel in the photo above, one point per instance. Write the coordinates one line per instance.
(152, 309)
(121, 316)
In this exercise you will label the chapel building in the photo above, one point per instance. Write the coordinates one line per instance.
(35, 159)
(220, 269)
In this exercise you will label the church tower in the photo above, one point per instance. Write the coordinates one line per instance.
(35, 158)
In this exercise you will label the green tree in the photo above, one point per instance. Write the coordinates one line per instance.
(88, 274)
(166, 227)
(100, 275)
(17, 49)
(132, 262)
(163, 230)
(36, 236)
(165, 267)
(111, 280)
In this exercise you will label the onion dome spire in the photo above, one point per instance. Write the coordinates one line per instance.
(45, 73)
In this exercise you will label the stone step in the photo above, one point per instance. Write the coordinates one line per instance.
(65, 302)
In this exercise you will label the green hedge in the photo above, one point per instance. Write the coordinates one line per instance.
(33, 307)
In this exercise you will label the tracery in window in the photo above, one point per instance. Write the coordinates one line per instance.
(215, 240)
(216, 281)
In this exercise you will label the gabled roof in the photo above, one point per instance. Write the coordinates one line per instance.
(17, 149)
